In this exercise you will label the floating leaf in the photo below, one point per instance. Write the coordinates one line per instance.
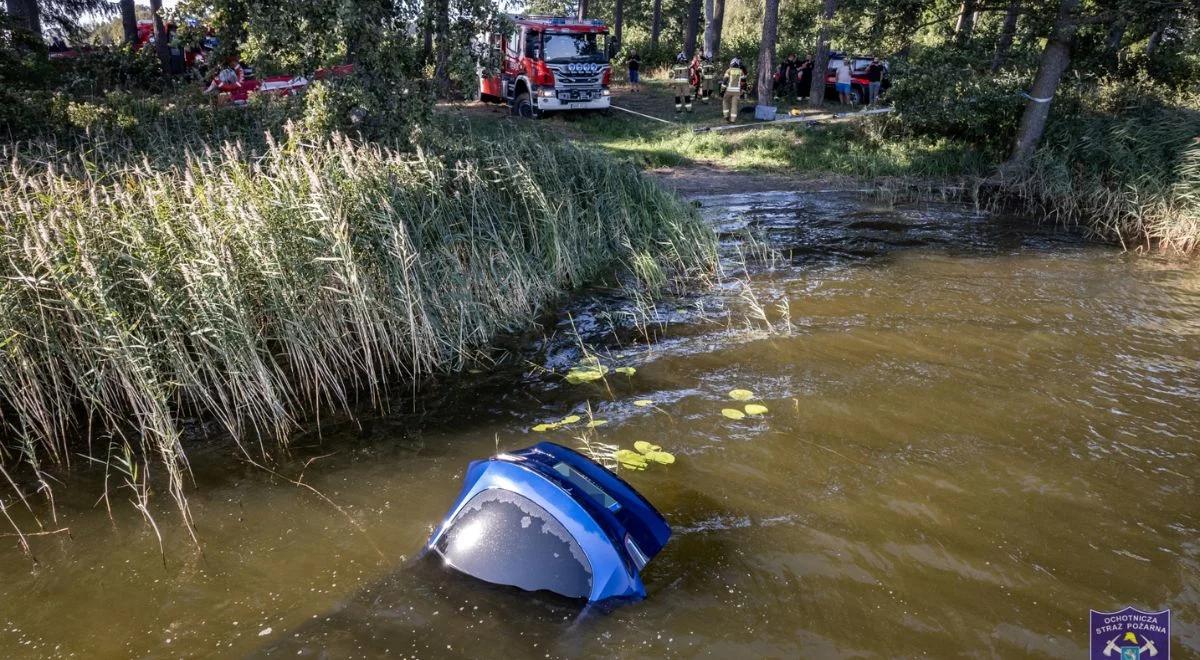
(590, 360)
(663, 457)
(645, 447)
(542, 428)
(755, 409)
(741, 395)
(570, 419)
(733, 413)
(628, 371)
(596, 422)
(630, 459)
(643, 403)
(577, 375)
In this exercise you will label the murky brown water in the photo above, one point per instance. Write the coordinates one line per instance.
(977, 432)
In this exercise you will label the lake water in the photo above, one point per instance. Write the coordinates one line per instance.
(978, 430)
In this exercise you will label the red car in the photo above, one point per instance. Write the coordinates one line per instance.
(858, 77)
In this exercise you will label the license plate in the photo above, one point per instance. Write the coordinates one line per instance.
(576, 96)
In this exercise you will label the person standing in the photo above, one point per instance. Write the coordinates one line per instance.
(789, 72)
(874, 79)
(842, 81)
(730, 98)
(806, 77)
(694, 70)
(680, 81)
(634, 63)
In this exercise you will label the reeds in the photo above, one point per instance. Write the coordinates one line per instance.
(257, 288)
(1132, 180)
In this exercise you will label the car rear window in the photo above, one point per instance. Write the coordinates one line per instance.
(505, 538)
(579, 479)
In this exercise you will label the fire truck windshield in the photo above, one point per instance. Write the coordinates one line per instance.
(575, 47)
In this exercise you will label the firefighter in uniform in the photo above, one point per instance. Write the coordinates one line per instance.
(708, 78)
(731, 90)
(681, 83)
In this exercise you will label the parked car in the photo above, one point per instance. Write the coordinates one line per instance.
(858, 77)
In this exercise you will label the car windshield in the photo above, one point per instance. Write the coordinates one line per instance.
(575, 47)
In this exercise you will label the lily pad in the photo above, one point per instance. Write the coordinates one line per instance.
(645, 447)
(733, 413)
(755, 409)
(585, 375)
(542, 428)
(643, 403)
(663, 457)
(741, 395)
(628, 371)
(596, 422)
(630, 460)
(570, 419)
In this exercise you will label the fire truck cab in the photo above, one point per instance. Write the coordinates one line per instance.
(548, 63)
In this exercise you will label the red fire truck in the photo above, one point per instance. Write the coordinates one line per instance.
(548, 63)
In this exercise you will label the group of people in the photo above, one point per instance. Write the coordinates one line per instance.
(692, 80)
(793, 80)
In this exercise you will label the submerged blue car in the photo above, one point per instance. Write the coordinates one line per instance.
(549, 518)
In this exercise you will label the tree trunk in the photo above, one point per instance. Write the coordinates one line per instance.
(427, 29)
(618, 21)
(718, 24)
(26, 16)
(583, 9)
(766, 52)
(1153, 41)
(1055, 60)
(966, 23)
(906, 25)
(655, 24)
(709, 9)
(1007, 30)
(821, 54)
(160, 36)
(441, 28)
(129, 21)
(1112, 44)
(692, 29)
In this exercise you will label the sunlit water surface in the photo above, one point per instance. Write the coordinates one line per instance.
(978, 431)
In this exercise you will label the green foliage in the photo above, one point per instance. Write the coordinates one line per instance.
(119, 68)
(945, 98)
(1125, 164)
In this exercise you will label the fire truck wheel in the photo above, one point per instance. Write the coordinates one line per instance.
(522, 107)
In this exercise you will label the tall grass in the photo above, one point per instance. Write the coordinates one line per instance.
(1132, 179)
(256, 287)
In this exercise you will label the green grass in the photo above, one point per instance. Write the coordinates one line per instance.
(856, 150)
(256, 286)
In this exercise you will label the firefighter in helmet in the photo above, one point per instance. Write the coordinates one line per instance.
(708, 78)
(732, 83)
(681, 83)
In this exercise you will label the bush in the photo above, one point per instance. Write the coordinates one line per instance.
(948, 99)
